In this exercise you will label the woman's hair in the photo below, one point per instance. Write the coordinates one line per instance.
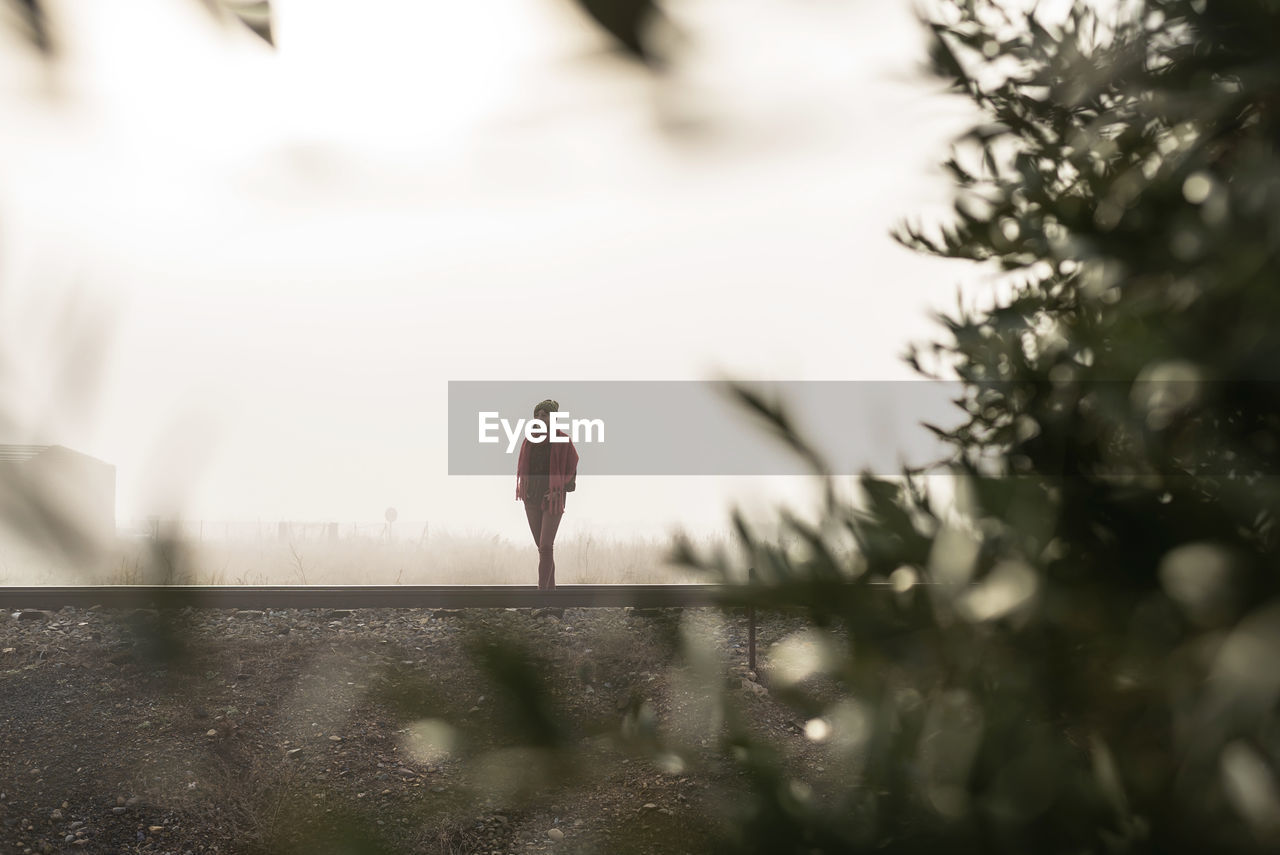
(549, 405)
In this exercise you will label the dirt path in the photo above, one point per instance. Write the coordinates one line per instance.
(368, 731)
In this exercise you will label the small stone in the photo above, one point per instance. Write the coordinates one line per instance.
(337, 614)
(33, 614)
(70, 838)
(211, 732)
(335, 738)
(649, 806)
(155, 828)
(118, 810)
(555, 834)
(56, 816)
(119, 800)
(404, 770)
(132, 801)
(549, 611)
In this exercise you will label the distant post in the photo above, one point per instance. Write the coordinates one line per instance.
(390, 516)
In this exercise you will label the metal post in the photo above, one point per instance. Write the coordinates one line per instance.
(751, 628)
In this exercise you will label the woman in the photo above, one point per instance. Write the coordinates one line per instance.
(544, 473)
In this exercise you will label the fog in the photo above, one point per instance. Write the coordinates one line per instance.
(245, 276)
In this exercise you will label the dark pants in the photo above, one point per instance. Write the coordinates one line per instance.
(543, 523)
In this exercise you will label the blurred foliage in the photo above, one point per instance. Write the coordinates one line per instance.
(254, 14)
(1073, 655)
(31, 19)
(630, 23)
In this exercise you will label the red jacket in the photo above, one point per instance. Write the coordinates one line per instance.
(563, 466)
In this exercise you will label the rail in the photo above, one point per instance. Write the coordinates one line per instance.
(357, 596)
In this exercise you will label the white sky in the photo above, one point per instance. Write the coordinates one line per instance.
(245, 277)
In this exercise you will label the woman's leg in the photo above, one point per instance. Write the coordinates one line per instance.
(533, 513)
(546, 547)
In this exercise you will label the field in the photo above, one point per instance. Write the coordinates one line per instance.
(313, 557)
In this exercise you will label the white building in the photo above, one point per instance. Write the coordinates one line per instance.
(53, 496)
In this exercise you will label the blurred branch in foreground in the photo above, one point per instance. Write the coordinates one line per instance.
(1086, 669)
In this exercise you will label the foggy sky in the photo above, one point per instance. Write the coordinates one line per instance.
(247, 280)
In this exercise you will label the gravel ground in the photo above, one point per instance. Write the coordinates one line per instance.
(374, 730)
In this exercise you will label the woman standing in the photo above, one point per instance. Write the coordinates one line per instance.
(544, 473)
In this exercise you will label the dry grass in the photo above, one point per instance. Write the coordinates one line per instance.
(441, 559)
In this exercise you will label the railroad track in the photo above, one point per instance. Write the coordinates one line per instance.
(357, 596)
(378, 596)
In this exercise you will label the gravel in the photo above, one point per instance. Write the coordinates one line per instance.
(105, 729)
